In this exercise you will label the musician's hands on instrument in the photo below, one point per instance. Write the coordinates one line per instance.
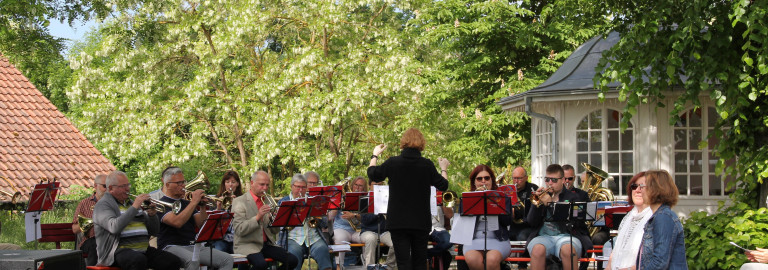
(139, 200)
(152, 211)
(347, 215)
(197, 197)
(263, 211)
(544, 196)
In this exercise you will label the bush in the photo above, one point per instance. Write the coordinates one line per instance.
(707, 236)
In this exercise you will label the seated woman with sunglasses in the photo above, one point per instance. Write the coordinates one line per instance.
(498, 248)
(630, 237)
(553, 238)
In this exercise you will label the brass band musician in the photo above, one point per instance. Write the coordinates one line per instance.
(252, 234)
(306, 238)
(85, 210)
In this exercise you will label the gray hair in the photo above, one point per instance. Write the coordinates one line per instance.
(99, 178)
(298, 178)
(113, 176)
(256, 174)
(313, 174)
(170, 172)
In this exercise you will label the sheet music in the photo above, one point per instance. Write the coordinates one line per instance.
(29, 223)
(380, 199)
(463, 229)
(433, 201)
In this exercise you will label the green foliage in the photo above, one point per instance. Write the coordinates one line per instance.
(14, 230)
(481, 52)
(706, 236)
(718, 47)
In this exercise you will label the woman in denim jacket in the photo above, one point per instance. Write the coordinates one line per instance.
(663, 241)
(498, 248)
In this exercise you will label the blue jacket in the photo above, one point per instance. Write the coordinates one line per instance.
(663, 242)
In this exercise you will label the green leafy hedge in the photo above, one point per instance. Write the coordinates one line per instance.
(707, 236)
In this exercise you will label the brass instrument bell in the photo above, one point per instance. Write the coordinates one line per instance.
(15, 197)
(449, 198)
(86, 224)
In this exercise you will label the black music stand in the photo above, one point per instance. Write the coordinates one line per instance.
(42, 199)
(571, 213)
(214, 228)
(484, 203)
(290, 214)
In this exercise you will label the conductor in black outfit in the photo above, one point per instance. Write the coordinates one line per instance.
(408, 212)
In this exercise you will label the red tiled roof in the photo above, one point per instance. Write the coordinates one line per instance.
(37, 141)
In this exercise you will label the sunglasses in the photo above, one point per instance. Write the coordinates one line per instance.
(483, 178)
(551, 179)
(635, 186)
(568, 178)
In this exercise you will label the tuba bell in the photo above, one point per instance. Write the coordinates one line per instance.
(199, 182)
(592, 184)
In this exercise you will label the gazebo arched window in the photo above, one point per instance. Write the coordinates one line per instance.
(600, 142)
(694, 167)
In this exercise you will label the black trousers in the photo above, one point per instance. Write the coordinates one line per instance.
(89, 247)
(410, 248)
(258, 262)
(129, 259)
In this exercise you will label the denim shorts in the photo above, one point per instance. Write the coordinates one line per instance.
(553, 244)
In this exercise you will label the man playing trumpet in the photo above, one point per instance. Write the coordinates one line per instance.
(122, 229)
(85, 209)
(553, 238)
(177, 231)
(251, 225)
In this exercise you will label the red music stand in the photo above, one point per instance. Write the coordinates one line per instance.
(614, 215)
(366, 204)
(439, 197)
(333, 192)
(214, 228)
(511, 192)
(483, 203)
(42, 199)
(318, 205)
(352, 201)
(290, 214)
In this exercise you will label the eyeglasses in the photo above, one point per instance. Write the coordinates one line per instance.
(126, 186)
(568, 178)
(483, 178)
(103, 185)
(551, 179)
(177, 182)
(635, 186)
(300, 187)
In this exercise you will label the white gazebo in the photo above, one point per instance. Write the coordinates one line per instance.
(570, 126)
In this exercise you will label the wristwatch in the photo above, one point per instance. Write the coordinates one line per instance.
(374, 156)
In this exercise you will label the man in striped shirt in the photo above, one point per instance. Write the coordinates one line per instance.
(85, 209)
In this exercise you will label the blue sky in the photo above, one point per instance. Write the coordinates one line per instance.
(72, 33)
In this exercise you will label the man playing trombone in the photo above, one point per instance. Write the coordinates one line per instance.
(251, 225)
(122, 229)
(178, 230)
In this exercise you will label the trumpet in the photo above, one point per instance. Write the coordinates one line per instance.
(160, 206)
(535, 200)
(86, 224)
(268, 200)
(15, 197)
(449, 198)
(225, 201)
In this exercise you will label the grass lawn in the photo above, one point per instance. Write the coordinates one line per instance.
(14, 231)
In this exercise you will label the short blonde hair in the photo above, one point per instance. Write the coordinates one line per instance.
(660, 188)
(412, 138)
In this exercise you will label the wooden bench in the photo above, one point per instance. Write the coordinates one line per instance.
(57, 233)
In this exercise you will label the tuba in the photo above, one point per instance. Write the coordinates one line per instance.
(593, 185)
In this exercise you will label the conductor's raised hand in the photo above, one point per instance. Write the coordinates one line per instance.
(444, 163)
(379, 149)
